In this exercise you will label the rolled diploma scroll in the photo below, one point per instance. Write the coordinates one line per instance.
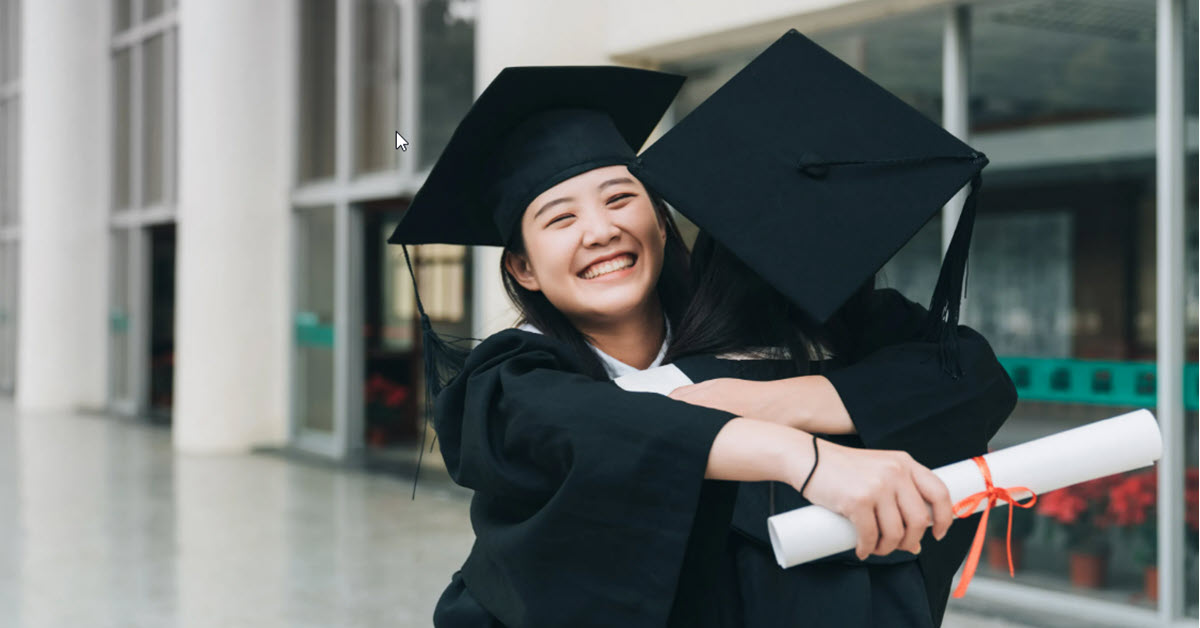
(1121, 443)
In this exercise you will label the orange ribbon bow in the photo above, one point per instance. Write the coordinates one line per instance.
(967, 505)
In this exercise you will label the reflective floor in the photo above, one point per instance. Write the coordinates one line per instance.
(101, 525)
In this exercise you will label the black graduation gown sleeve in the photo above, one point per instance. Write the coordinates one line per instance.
(899, 398)
(585, 494)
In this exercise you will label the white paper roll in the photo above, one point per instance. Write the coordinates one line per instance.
(1121, 443)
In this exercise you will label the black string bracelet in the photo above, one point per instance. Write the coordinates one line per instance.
(816, 459)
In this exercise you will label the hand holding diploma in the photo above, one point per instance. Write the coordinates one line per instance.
(889, 498)
(1114, 445)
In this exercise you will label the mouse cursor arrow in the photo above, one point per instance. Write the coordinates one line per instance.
(401, 143)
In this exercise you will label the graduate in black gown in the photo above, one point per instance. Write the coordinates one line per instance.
(814, 185)
(890, 393)
(586, 496)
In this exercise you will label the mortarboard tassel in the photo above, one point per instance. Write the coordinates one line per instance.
(443, 361)
(942, 323)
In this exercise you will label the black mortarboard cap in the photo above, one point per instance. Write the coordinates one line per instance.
(814, 176)
(532, 128)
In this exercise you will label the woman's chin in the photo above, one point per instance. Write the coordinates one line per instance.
(617, 306)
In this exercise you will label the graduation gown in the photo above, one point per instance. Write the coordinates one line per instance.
(898, 398)
(585, 495)
(523, 430)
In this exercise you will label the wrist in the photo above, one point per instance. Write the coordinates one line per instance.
(800, 459)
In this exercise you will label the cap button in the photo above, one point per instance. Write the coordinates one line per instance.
(813, 165)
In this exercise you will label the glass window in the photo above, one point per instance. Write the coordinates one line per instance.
(10, 44)
(903, 54)
(6, 46)
(398, 306)
(11, 191)
(15, 38)
(172, 124)
(314, 319)
(318, 88)
(441, 278)
(1040, 62)
(152, 8)
(122, 15)
(447, 80)
(1062, 267)
(376, 84)
(8, 316)
(122, 128)
(5, 167)
(153, 120)
(120, 310)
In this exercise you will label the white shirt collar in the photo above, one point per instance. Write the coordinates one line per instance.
(614, 367)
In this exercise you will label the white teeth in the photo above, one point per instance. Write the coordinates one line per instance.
(609, 266)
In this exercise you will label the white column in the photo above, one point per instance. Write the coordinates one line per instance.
(236, 103)
(64, 181)
(1170, 286)
(956, 66)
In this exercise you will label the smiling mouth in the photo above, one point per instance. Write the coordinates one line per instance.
(621, 262)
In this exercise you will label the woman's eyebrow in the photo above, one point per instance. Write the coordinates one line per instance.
(565, 199)
(614, 182)
(552, 203)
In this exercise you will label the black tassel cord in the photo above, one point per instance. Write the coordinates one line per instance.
(942, 323)
(443, 361)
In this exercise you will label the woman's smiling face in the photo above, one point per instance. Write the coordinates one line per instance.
(593, 246)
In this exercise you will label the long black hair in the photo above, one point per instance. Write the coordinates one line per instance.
(734, 309)
(535, 309)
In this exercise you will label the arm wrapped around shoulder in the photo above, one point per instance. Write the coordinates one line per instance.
(899, 398)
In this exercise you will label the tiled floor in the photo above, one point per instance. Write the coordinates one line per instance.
(101, 525)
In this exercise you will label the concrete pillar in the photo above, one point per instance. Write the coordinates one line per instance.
(65, 191)
(236, 103)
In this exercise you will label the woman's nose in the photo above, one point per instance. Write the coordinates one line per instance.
(599, 228)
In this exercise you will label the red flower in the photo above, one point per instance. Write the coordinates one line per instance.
(1191, 499)
(396, 397)
(380, 389)
(1063, 505)
(1132, 500)
(1083, 503)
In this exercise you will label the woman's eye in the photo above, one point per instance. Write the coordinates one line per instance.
(560, 218)
(619, 197)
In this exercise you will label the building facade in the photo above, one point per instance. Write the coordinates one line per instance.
(194, 198)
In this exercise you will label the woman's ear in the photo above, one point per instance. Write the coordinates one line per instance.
(662, 224)
(518, 266)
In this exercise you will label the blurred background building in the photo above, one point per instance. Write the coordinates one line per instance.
(194, 198)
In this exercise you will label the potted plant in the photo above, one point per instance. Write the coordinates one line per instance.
(1079, 515)
(384, 398)
(1191, 517)
(1132, 508)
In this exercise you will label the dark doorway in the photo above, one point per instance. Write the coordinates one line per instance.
(162, 322)
(393, 370)
(391, 343)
